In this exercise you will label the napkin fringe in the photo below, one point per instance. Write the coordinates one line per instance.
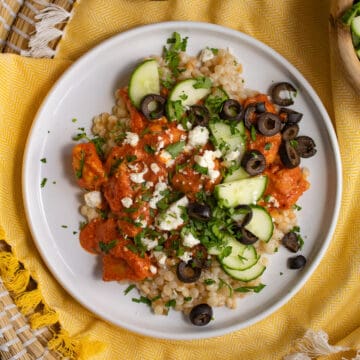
(29, 300)
(312, 345)
(46, 30)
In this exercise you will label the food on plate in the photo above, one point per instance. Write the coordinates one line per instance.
(351, 18)
(191, 181)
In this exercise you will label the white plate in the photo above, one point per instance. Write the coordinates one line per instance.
(87, 89)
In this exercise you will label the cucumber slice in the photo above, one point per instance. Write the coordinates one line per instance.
(355, 39)
(186, 93)
(261, 224)
(225, 139)
(144, 81)
(246, 275)
(241, 192)
(237, 174)
(355, 26)
(241, 257)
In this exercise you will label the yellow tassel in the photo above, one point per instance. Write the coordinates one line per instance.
(47, 317)
(15, 278)
(74, 348)
(28, 301)
(8, 265)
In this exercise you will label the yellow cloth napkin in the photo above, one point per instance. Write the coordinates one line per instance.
(297, 29)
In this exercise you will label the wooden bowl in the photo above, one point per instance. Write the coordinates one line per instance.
(344, 45)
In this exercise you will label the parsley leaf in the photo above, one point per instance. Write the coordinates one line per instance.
(106, 247)
(245, 289)
(202, 82)
(175, 149)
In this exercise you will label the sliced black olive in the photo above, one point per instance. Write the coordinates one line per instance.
(199, 115)
(247, 237)
(288, 154)
(277, 93)
(231, 110)
(153, 106)
(188, 272)
(242, 215)
(290, 241)
(199, 211)
(249, 116)
(305, 146)
(268, 124)
(290, 131)
(253, 162)
(290, 116)
(296, 262)
(201, 314)
(260, 107)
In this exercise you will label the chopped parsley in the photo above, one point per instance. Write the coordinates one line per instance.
(74, 120)
(200, 169)
(268, 146)
(253, 133)
(129, 288)
(245, 289)
(64, 226)
(43, 160)
(131, 158)
(142, 299)
(209, 281)
(294, 143)
(149, 149)
(106, 247)
(170, 303)
(296, 207)
(202, 82)
(99, 143)
(43, 182)
(171, 53)
(175, 149)
(296, 230)
(79, 171)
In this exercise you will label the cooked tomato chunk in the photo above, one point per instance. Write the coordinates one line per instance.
(88, 167)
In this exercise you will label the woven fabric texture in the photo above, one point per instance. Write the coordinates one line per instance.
(298, 30)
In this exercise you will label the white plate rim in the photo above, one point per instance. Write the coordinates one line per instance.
(172, 25)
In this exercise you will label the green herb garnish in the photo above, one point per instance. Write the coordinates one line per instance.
(43, 182)
(245, 289)
(79, 171)
(129, 288)
(202, 82)
(200, 169)
(175, 149)
(43, 160)
(106, 247)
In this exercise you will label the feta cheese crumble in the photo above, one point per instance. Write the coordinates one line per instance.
(131, 138)
(198, 136)
(126, 202)
(190, 240)
(206, 55)
(138, 178)
(167, 158)
(186, 256)
(148, 243)
(93, 199)
(157, 196)
(171, 219)
(207, 161)
(155, 168)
